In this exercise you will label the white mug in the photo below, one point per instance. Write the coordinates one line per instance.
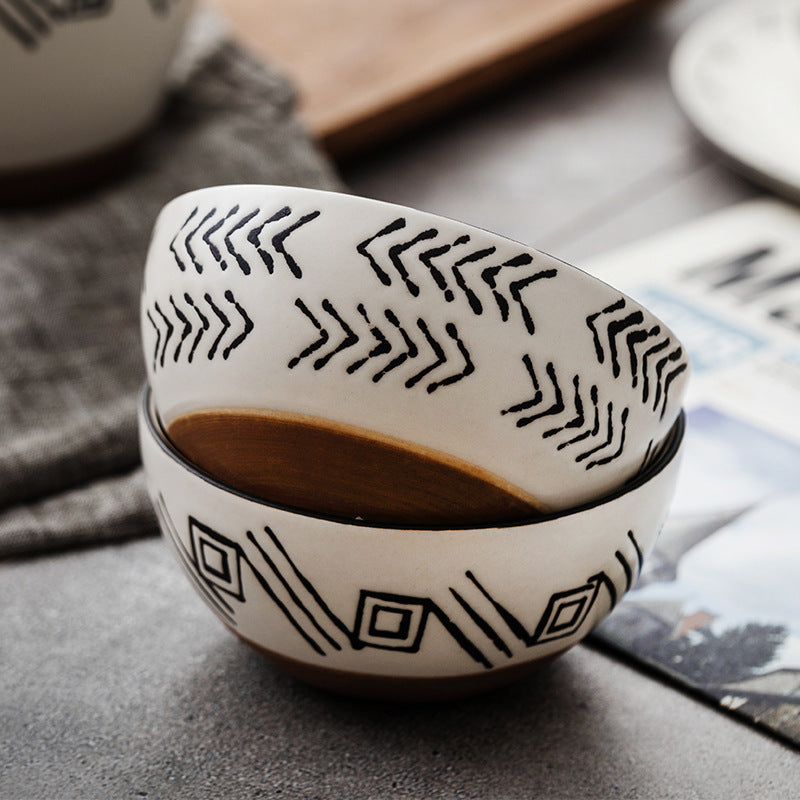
(81, 76)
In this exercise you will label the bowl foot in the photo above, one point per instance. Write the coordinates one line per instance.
(400, 689)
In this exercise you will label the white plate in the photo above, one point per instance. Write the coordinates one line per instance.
(736, 74)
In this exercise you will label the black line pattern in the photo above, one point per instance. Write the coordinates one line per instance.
(238, 238)
(577, 418)
(295, 596)
(31, 21)
(395, 343)
(182, 325)
(208, 589)
(455, 267)
(479, 623)
(622, 339)
(630, 564)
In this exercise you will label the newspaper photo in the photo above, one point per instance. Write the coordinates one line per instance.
(717, 607)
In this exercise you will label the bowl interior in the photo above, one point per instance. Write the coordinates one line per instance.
(426, 484)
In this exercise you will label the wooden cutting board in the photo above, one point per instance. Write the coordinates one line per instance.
(370, 70)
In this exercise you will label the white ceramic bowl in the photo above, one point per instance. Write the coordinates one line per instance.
(411, 614)
(80, 77)
(409, 325)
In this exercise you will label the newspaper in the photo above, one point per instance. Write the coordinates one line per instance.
(717, 608)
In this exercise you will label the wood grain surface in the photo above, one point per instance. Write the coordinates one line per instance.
(367, 71)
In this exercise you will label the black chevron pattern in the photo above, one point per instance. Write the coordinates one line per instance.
(459, 268)
(186, 326)
(648, 356)
(239, 239)
(578, 419)
(28, 22)
(386, 342)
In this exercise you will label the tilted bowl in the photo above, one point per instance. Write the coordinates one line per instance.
(411, 326)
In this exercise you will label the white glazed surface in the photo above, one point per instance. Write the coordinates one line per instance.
(81, 77)
(397, 602)
(315, 303)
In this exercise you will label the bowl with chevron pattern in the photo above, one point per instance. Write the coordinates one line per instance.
(400, 324)
(406, 614)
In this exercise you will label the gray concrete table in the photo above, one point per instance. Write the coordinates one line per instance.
(117, 682)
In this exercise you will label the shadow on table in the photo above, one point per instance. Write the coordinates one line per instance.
(272, 730)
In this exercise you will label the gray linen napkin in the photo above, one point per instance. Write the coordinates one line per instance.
(70, 274)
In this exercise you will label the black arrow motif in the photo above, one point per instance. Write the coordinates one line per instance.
(578, 420)
(213, 249)
(518, 286)
(489, 277)
(615, 329)
(411, 350)
(254, 237)
(248, 325)
(468, 368)
(363, 248)
(471, 258)
(204, 325)
(537, 396)
(557, 406)
(279, 239)
(187, 328)
(591, 431)
(682, 367)
(585, 416)
(590, 322)
(178, 261)
(225, 325)
(317, 343)
(396, 250)
(633, 339)
(674, 355)
(611, 431)
(438, 351)
(165, 328)
(236, 245)
(427, 257)
(187, 241)
(25, 26)
(382, 346)
(649, 353)
(607, 459)
(349, 338)
(631, 326)
(244, 266)
(170, 327)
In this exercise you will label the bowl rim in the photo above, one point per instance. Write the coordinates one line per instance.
(671, 445)
(335, 196)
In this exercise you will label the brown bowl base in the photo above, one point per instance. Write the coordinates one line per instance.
(400, 689)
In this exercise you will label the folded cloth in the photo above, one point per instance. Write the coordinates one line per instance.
(71, 364)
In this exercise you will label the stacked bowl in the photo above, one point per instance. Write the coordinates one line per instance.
(399, 455)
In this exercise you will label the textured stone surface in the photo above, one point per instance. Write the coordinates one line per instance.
(119, 683)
